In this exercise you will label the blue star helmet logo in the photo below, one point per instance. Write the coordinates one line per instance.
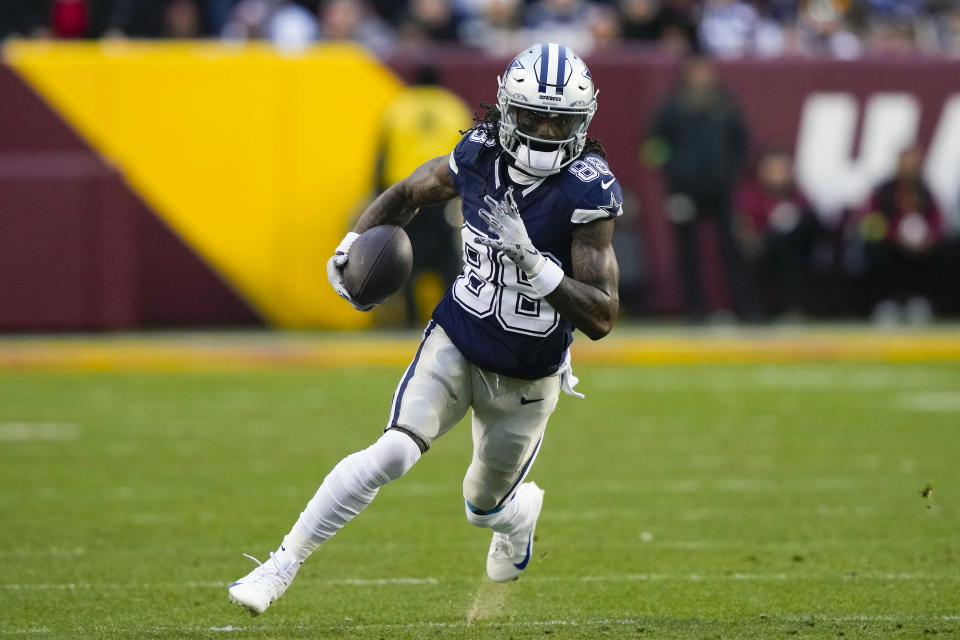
(516, 64)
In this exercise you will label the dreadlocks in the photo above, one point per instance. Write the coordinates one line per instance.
(489, 123)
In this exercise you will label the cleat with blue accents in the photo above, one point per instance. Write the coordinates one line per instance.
(261, 587)
(510, 553)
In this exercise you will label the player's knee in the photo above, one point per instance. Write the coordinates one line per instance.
(483, 489)
(394, 454)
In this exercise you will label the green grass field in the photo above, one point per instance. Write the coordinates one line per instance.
(753, 501)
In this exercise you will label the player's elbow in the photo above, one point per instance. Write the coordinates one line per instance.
(602, 322)
(600, 325)
(598, 329)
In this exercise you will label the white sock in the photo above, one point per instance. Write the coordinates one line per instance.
(348, 489)
(298, 545)
(508, 520)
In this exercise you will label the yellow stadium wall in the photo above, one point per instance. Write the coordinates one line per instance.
(244, 152)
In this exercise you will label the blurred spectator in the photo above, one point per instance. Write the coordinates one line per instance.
(130, 18)
(886, 37)
(773, 37)
(494, 26)
(392, 11)
(424, 122)
(182, 19)
(700, 140)
(565, 21)
(722, 28)
(28, 18)
(658, 22)
(903, 231)
(778, 230)
(604, 22)
(287, 25)
(896, 8)
(69, 18)
(944, 30)
(628, 244)
(822, 29)
(216, 13)
(728, 28)
(428, 21)
(779, 10)
(352, 21)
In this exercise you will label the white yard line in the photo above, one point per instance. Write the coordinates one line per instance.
(791, 377)
(38, 431)
(368, 582)
(482, 591)
(690, 577)
(929, 401)
(507, 624)
(116, 586)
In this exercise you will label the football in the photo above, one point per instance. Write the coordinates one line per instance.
(379, 263)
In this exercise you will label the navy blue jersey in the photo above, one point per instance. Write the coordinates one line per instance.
(491, 313)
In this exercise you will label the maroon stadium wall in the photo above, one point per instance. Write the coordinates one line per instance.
(79, 249)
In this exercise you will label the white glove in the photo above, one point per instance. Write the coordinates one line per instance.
(335, 271)
(503, 219)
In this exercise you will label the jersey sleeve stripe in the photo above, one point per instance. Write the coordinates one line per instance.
(453, 164)
(583, 216)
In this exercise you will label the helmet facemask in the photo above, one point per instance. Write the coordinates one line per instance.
(542, 155)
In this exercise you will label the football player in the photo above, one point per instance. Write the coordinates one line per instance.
(539, 203)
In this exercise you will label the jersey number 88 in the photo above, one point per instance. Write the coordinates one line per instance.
(492, 284)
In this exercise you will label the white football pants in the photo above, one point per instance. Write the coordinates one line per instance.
(509, 415)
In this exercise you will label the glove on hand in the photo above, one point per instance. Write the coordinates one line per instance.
(504, 220)
(335, 271)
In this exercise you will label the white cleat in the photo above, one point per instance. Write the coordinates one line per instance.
(510, 554)
(261, 587)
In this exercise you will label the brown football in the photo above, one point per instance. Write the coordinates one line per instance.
(379, 263)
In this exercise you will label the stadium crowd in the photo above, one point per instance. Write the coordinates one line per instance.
(843, 29)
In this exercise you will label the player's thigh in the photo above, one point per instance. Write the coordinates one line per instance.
(435, 390)
(509, 420)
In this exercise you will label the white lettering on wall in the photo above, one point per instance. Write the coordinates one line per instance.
(942, 167)
(827, 169)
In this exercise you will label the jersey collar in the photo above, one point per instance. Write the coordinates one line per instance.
(515, 176)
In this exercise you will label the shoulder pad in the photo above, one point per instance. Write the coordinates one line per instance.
(597, 194)
(466, 150)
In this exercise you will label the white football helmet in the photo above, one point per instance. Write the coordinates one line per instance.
(547, 81)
